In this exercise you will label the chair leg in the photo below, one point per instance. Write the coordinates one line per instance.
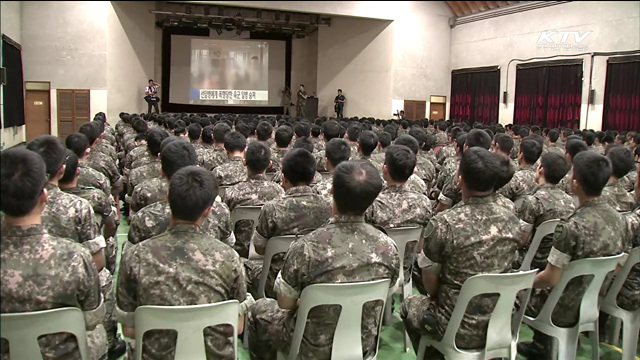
(595, 344)
(613, 331)
(567, 350)
(388, 311)
(245, 336)
(630, 334)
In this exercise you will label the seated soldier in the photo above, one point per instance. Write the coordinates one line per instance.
(617, 196)
(397, 205)
(233, 171)
(629, 296)
(206, 151)
(330, 130)
(353, 132)
(415, 182)
(215, 155)
(264, 132)
(502, 145)
(151, 169)
(192, 274)
(367, 143)
(553, 146)
(284, 134)
(460, 243)
(450, 167)
(384, 140)
(79, 144)
(629, 180)
(301, 209)
(41, 271)
(318, 143)
(335, 151)
(154, 219)
(301, 143)
(101, 144)
(140, 154)
(101, 162)
(322, 257)
(572, 148)
(586, 234)
(194, 131)
(254, 191)
(449, 150)
(545, 202)
(524, 179)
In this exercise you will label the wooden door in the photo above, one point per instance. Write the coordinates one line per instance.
(37, 113)
(415, 109)
(73, 111)
(436, 111)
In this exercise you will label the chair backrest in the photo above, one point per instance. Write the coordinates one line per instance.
(589, 309)
(245, 213)
(347, 342)
(275, 245)
(23, 329)
(402, 236)
(621, 277)
(546, 228)
(189, 322)
(221, 191)
(507, 287)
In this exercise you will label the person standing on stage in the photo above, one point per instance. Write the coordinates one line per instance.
(302, 101)
(151, 96)
(339, 104)
(286, 100)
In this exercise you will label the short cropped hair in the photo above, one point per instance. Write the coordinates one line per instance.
(235, 142)
(589, 137)
(195, 131)
(51, 150)
(504, 172)
(573, 147)
(175, 155)
(243, 129)
(299, 167)
(368, 141)
(356, 184)
(478, 138)
(78, 143)
(553, 135)
(302, 129)
(384, 138)
(192, 190)
(70, 169)
(264, 130)
(220, 131)
(23, 177)
(621, 161)
(353, 131)
(408, 141)
(337, 151)
(531, 150)
(284, 134)
(330, 130)
(303, 143)
(258, 156)
(90, 130)
(207, 135)
(592, 171)
(155, 137)
(400, 162)
(478, 169)
(555, 167)
(504, 141)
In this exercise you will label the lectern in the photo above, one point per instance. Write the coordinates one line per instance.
(311, 108)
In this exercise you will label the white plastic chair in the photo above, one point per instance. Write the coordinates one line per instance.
(504, 325)
(347, 341)
(275, 245)
(402, 236)
(23, 329)
(546, 228)
(630, 319)
(567, 338)
(189, 322)
(247, 213)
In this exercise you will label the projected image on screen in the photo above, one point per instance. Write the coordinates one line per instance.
(226, 72)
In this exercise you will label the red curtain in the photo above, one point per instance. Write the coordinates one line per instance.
(548, 95)
(475, 95)
(622, 96)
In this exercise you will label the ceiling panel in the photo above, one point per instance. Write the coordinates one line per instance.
(464, 8)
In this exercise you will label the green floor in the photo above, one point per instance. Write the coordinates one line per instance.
(391, 341)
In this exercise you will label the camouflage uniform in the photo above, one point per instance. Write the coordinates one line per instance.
(154, 219)
(523, 181)
(448, 172)
(397, 206)
(323, 187)
(618, 197)
(556, 149)
(320, 156)
(300, 209)
(346, 250)
(375, 164)
(416, 184)
(629, 296)
(139, 175)
(277, 178)
(90, 177)
(318, 143)
(182, 266)
(460, 243)
(197, 145)
(69, 279)
(595, 229)
(564, 184)
(441, 138)
(254, 191)
(276, 159)
(445, 153)
(500, 200)
(149, 192)
(354, 148)
(135, 154)
(231, 172)
(210, 157)
(545, 202)
(597, 148)
(516, 148)
(629, 180)
(431, 157)
(106, 166)
(106, 149)
(379, 155)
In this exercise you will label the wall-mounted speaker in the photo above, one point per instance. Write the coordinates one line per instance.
(504, 97)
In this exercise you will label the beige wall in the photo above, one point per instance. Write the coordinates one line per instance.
(304, 64)
(615, 26)
(10, 24)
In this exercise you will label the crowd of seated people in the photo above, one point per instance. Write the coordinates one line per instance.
(337, 185)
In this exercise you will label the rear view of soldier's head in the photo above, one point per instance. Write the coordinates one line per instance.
(220, 131)
(573, 147)
(553, 167)
(530, 151)
(79, 144)
(71, 170)
(257, 158)
(298, 168)
(477, 172)
(235, 143)
(367, 142)
(175, 155)
(263, 131)
(504, 171)
(503, 143)
(23, 178)
(621, 161)
(336, 151)
(192, 191)
(591, 173)
(154, 140)
(399, 163)
(356, 184)
(408, 141)
(478, 138)
(52, 152)
(284, 134)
